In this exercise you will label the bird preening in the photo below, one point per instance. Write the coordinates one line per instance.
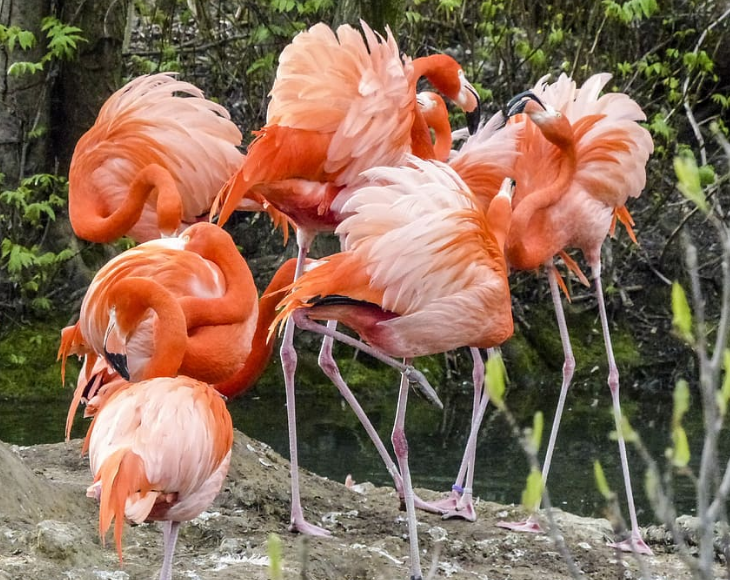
(429, 237)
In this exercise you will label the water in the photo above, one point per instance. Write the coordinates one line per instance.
(333, 444)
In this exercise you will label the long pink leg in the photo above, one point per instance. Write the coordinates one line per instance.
(634, 543)
(170, 530)
(400, 446)
(459, 503)
(531, 524)
(329, 366)
(415, 377)
(289, 365)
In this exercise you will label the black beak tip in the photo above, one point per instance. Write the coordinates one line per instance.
(472, 120)
(517, 104)
(474, 117)
(119, 363)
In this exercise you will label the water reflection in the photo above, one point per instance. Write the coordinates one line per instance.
(333, 444)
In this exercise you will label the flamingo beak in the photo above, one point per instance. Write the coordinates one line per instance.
(517, 104)
(474, 116)
(118, 362)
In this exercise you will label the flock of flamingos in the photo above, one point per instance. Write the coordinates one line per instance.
(428, 234)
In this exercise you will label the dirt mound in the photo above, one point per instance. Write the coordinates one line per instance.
(48, 529)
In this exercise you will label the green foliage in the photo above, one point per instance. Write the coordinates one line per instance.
(681, 314)
(26, 213)
(494, 380)
(532, 494)
(689, 182)
(679, 453)
(62, 44)
(601, 481)
(274, 551)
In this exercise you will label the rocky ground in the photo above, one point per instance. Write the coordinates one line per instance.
(48, 530)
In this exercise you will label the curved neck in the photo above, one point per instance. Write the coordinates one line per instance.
(531, 231)
(91, 222)
(261, 348)
(214, 244)
(132, 297)
(421, 143)
(441, 71)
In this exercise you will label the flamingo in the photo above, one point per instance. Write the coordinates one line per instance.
(97, 381)
(159, 450)
(152, 162)
(582, 157)
(486, 159)
(183, 305)
(340, 104)
(419, 254)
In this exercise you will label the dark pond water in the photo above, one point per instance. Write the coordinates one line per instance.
(333, 444)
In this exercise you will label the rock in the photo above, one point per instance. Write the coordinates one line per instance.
(59, 540)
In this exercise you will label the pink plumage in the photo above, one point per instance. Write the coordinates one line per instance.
(150, 122)
(159, 450)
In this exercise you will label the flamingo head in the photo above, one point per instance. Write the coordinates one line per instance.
(447, 76)
(554, 126)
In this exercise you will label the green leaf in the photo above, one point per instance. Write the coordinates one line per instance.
(532, 494)
(689, 183)
(26, 39)
(494, 380)
(651, 485)
(681, 401)
(537, 427)
(273, 549)
(680, 452)
(601, 482)
(681, 313)
(630, 436)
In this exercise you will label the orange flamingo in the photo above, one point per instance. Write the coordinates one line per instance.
(159, 451)
(97, 381)
(185, 305)
(152, 163)
(402, 297)
(486, 159)
(340, 104)
(262, 344)
(583, 156)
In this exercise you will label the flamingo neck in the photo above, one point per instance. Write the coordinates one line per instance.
(531, 233)
(441, 72)
(239, 300)
(99, 226)
(261, 348)
(133, 297)
(421, 143)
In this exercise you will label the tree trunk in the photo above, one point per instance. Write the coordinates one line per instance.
(377, 13)
(87, 81)
(24, 99)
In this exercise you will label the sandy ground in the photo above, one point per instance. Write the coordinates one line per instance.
(48, 530)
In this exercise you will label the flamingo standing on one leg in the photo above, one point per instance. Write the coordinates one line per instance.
(419, 254)
(339, 105)
(185, 305)
(152, 163)
(159, 451)
(583, 156)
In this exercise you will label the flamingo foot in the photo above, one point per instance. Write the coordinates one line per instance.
(302, 526)
(427, 506)
(530, 526)
(464, 509)
(632, 544)
(449, 503)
